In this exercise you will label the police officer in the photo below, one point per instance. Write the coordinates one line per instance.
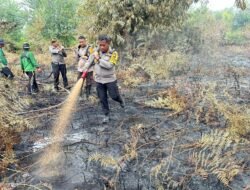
(83, 52)
(4, 63)
(29, 66)
(58, 64)
(104, 60)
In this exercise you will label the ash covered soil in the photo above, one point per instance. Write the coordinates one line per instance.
(187, 145)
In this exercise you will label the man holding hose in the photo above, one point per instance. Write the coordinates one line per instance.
(104, 60)
(83, 52)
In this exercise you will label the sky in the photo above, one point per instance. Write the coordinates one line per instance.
(217, 5)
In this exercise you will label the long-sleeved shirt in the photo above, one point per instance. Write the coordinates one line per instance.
(28, 61)
(82, 55)
(105, 68)
(3, 60)
(57, 55)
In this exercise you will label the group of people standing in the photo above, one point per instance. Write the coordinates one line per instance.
(96, 65)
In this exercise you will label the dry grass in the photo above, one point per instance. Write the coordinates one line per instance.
(156, 66)
(133, 76)
(170, 99)
(117, 163)
(43, 59)
(10, 124)
(164, 64)
(238, 117)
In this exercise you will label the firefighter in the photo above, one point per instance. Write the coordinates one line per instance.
(4, 69)
(58, 64)
(29, 66)
(82, 54)
(104, 60)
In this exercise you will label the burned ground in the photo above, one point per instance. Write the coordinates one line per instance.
(177, 133)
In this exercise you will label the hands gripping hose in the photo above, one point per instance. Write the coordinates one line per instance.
(84, 74)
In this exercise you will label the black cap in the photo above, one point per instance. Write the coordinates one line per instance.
(26, 46)
(1, 42)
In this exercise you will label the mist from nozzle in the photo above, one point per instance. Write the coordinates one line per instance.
(51, 158)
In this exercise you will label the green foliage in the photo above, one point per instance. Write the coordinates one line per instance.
(235, 38)
(12, 20)
(53, 19)
(132, 24)
(129, 19)
(241, 19)
(228, 17)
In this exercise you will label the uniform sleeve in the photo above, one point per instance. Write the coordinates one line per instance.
(53, 50)
(64, 54)
(89, 63)
(111, 63)
(1, 56)
(33, 60)
(3, 60)
(77, 58)
(21, 63)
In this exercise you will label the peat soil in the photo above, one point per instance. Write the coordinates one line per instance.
(164, 136)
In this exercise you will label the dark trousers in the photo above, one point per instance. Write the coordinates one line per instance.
(89, 81)
(7, 73)
(103, 90)
(32, 84)
(57, 69)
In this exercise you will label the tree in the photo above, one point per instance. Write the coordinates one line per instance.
(127, 21)
(12, 20)
(128, 18)
(52, 19)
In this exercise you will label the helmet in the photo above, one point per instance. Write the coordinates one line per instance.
(26, 46)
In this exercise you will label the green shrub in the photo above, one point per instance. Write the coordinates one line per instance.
(234, 38)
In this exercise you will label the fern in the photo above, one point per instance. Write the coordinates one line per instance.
(216, 156)
(169, 100)
(104, 160)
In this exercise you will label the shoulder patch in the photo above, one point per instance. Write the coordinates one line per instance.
(114, 58)
(91, 50)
